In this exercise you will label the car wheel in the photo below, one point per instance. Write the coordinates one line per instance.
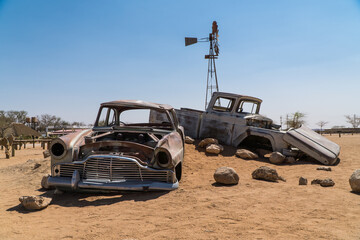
(178, 171)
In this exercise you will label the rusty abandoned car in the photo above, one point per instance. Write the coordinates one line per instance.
(235, 120)
(134, 145)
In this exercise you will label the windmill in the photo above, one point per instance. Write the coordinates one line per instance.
(211, 80)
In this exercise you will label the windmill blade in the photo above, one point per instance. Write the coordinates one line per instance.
(190, 41)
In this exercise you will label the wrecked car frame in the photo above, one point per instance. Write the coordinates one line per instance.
(121, 151)
(235, 120)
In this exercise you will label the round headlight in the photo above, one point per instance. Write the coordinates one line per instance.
(162, 159)
(58, 149)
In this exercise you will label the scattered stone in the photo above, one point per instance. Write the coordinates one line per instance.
(35, 202)
(58, 192)
(324, 183)
(189, 140)
(207, 141)
(354, 181)
(226, 175)
(277, 158)
(214, 148)
(246, 154)
(37, 165)
(263, 152)
(328, 182)
(324, 168)
(46, 154)
(302, 181)
(290, 160)
(44, 182)
(316, 181)
(266, 173)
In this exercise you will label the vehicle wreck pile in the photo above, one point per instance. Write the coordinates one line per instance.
(126, 152)
(234, 120)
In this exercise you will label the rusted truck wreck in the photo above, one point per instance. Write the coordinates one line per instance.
(125, 150)
(235, 120)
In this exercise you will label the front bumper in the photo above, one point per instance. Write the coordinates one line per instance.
(71, 183)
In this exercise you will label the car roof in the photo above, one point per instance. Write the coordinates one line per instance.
(136, 104)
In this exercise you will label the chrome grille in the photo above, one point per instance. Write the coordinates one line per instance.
(113, 168)
(66, 170)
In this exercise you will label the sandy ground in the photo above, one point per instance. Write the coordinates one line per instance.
(197, 210)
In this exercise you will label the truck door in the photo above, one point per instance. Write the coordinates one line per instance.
(217, 121)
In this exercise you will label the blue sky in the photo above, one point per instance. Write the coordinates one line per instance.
(66, 57)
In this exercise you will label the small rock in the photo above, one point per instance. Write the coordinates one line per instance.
(58, 192)
(46, 153)
(44, 182)
(316, 181)
(354, 181)
(226, 175)
(324, 183)
(290, 160)
(37, 165)
(266, 173)
(207, 141)
(328, 182)
(246, 154)
(324, 168)
(277, 158)
(263, 152)
(302, 181)
(34, 202)
(214, 148)
(189, 140)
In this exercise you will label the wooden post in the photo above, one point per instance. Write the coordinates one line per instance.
(7, 153)
(339, 135)
(33, 142)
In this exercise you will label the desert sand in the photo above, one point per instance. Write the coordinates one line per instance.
(199, 209)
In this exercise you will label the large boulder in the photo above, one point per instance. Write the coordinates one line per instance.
(267, 174)
(207, 141)
(277, 158)
(246, 154)
(35, 202)
(290, 160)
(226, 175)
(354, 181)
(214, 148)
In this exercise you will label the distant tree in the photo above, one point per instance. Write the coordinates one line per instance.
(21, 116)
(321, 124)
(295, 120)
(353, 120)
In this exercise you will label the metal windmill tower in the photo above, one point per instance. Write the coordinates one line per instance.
(212, 84)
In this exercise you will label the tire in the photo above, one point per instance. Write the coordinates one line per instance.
(178, 171)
